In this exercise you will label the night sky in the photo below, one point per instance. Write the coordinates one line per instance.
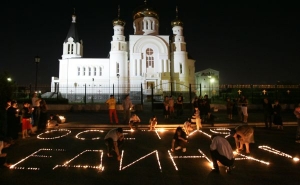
(248, 42)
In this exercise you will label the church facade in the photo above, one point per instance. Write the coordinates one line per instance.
(146, 60)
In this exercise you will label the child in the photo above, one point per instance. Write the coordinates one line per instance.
(187, 126)
(197, 118)
(153, 122)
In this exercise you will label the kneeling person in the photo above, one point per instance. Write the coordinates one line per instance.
(180, 140)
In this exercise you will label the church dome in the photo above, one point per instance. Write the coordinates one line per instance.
(118, 21)
(144, 11)
(176, 22)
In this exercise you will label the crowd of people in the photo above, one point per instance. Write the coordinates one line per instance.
(34, 115)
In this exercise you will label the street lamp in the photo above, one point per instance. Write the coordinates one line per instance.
(37, 61)
(118, 76)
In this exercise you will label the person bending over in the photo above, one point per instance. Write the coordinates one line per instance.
(113, 140)
(220, 150)
(243, 134)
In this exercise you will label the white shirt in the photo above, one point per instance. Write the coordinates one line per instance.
(221, 144)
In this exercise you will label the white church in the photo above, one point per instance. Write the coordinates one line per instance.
(146, 60)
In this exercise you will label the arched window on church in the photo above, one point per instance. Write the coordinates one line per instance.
(70, 48)
(90, 71)
(78, 71)
(100, 71)
(149, 58)
(117, 68)
(84, 71)
(180, 68)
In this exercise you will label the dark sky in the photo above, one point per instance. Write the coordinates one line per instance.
(248, 42)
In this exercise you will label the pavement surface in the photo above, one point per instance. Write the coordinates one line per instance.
(75, 153)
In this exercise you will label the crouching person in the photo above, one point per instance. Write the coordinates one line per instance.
(153, 122)
(179, 139)
(134, 121)
(221, 151)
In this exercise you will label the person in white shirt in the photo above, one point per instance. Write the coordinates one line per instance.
(134, 121)
(153, 122)
(187, 126)
(221, 150)
(197, 118)
(113, 140)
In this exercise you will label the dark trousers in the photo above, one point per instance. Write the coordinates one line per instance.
(36, 116)
(268, 120)
(215, 156)
(181, 143)
(110, 144)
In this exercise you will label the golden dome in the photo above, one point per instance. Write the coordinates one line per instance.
(176, 22)
(144, 11)
(118, 21)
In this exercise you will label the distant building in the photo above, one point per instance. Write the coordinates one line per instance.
(147, 59)
(209, 80)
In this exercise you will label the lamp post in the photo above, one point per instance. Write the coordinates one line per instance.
(37, 61)
(118, 76)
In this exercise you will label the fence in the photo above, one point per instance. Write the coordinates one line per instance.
(139, 94)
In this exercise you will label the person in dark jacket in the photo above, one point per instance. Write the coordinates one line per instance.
(268, 112)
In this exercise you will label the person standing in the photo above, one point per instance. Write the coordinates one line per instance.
(268, 112)
(113, 140)
(244, 107)
(197, 118)
(220, 150)
(111, 102)
(206, 110)
(179, 139)
(44, 115)
(171, 107)
(277, 119)
(13, 121)
(195, 102)
(26, 116)
(36, 111)
(229, 108)
(127, 106)
(297, 114)
(166, 107)
(179, 106)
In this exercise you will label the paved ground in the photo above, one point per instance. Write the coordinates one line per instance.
(79, 145)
